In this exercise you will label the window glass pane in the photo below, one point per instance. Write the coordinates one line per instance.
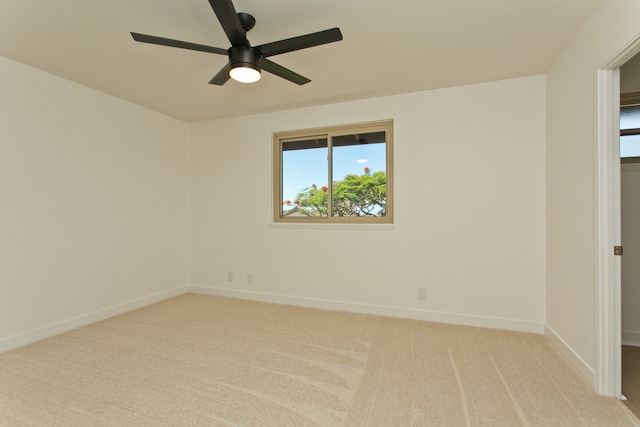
(359, 175)
(630, 146)
(630, 117)
(304, 178)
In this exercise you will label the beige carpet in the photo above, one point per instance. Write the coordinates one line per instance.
(198, 360)
(631, 377)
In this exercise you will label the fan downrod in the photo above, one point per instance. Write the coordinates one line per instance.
(246, 20)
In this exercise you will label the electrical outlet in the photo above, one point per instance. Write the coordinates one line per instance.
(249, 278)
(229, 277)
(422, 293)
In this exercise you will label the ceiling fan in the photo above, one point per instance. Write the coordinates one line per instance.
(246, 61)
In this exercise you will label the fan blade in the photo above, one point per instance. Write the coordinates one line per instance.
(230, 22)
(301, 42)
(220, 78)
(177, 43)
(285, 73)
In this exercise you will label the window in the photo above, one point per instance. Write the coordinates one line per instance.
(630, 126)
(340, 174)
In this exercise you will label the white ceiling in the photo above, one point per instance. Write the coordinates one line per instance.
(389, 47)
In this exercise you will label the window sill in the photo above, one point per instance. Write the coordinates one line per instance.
(332, 226)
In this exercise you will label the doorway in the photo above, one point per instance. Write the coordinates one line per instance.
(609, 357)
(630, 230)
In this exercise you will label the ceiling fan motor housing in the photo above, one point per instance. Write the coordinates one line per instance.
(241, 56)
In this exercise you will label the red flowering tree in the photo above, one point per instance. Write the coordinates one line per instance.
(355, 195)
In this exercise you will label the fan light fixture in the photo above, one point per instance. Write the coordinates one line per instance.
(245, 74)
(244, 63)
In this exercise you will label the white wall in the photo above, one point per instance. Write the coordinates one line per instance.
(571, 177)
(469, 199)
(93, 204)
(630, 186)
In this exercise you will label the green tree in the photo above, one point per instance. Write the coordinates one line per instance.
(355, 195)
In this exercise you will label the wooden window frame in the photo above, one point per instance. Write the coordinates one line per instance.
(329, 132)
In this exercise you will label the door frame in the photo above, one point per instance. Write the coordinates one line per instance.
(608, 379)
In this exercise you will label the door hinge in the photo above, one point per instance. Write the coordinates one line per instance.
(617, 250)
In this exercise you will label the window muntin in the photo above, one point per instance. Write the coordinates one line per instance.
(355, 159)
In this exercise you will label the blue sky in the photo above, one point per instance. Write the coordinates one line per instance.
(302, 168)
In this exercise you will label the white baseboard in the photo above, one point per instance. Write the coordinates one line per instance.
(572, 357)
(381, 310)
(53, 329)
(631, 338)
